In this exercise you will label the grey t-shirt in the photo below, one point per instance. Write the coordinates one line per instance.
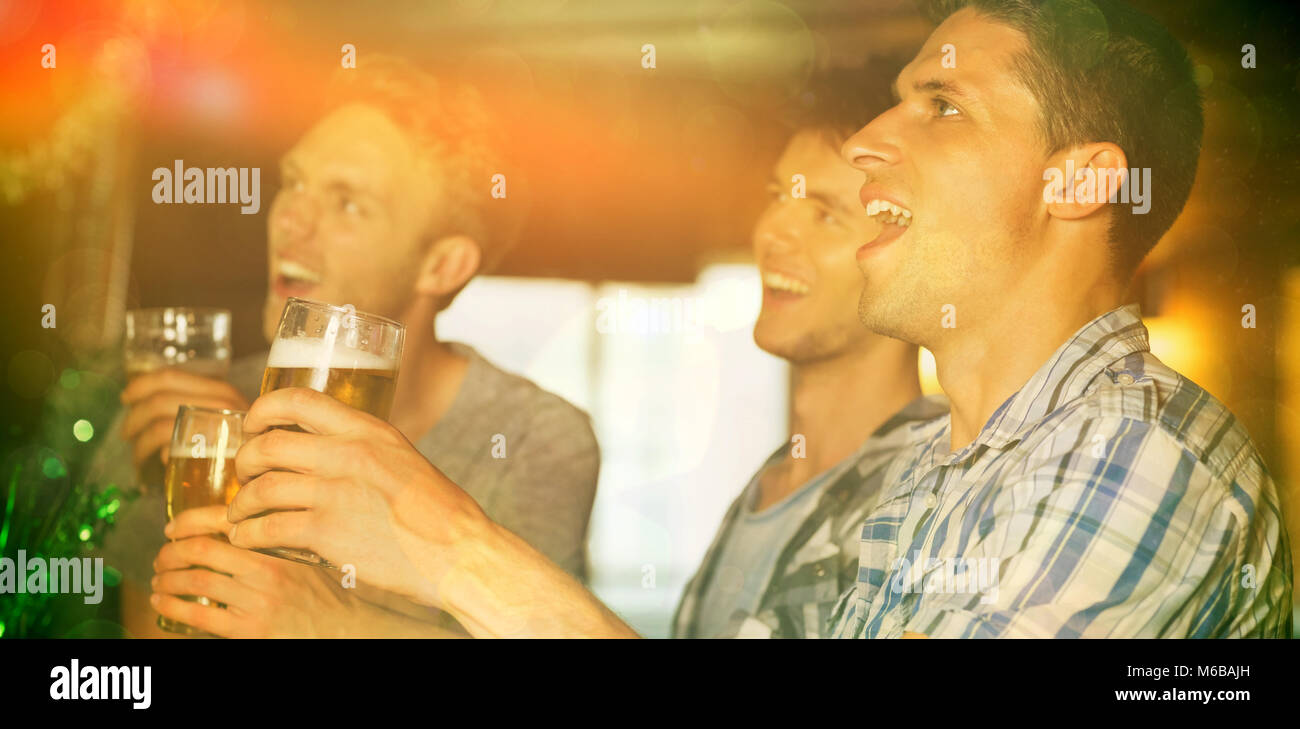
(542, 489)
(746, 559)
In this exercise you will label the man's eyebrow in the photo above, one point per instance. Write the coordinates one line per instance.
(828, 201)
(346, 185)
(939, 85)
(334, 183)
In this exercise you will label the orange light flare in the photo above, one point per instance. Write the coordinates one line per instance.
(180, 63)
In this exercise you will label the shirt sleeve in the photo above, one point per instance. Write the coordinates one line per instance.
(136, 535)
(550, 484)
(1111, 528)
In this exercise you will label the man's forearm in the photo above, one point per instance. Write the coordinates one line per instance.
(502, 587)
(375, 621)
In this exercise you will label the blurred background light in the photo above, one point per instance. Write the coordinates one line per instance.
(929, 377)
(83, 430)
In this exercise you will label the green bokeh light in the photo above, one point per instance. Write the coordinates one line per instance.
(52, 467)
(70, 379)
(83, 430)
(106, 509)
(85, 533)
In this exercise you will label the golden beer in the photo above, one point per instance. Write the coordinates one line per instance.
(150, 475)
(195, 482)
(201, 472)
(351, 356)
(190, 484)
(368, 390)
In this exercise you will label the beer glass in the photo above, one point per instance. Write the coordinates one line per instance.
(348, 355)
(201, 472)
(192, 339)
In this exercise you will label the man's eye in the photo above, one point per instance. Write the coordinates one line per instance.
(825, 216)
(943, 108)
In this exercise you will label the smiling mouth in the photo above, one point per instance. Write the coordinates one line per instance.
(783, 284)
(293, 278)
(894, 221)
(889, 213)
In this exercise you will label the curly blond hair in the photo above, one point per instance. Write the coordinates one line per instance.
(453, 125)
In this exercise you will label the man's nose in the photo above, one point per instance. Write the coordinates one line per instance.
(296, 214)
(872, 146)
(778, 233)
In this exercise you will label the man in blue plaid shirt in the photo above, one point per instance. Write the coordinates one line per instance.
(1077, 488)
(1108, 497)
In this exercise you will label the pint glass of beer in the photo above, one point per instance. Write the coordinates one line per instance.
(194, 340)
(348, 355)
(201, 472)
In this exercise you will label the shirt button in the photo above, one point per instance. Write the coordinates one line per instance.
(1125, 378)
(819, 570)
(930, 501)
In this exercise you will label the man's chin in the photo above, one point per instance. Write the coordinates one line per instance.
(877, 314)
(768, 337)
(871, 314)
(783, 344)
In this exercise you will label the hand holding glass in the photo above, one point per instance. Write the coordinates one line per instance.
(201, 472)
(196, 340)
(350, 356)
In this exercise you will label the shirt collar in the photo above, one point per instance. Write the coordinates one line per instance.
(905, 429)
(1113, 336)
(919, 413)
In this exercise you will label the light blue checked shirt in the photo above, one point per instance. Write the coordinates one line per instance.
(1109, 497)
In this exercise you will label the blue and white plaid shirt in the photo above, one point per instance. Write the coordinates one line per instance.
(1109, 497)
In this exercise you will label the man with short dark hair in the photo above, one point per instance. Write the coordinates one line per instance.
(1078, 487)
(788, 546)
(385, 204)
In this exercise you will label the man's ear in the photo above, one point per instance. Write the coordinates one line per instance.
(447, 266)
(1084, 179)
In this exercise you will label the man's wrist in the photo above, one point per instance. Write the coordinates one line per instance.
(502, 587)
(442, 542)
(467, 548)
(469, 590)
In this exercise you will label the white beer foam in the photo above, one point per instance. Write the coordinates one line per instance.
(311, 353)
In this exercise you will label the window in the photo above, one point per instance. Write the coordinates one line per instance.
(684, 405)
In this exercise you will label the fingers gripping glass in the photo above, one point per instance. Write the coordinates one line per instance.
(201, 472)
(192, 339)
(348, 355)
